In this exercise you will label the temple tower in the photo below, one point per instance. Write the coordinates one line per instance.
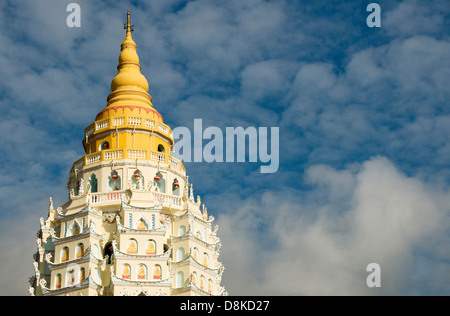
(131, 225)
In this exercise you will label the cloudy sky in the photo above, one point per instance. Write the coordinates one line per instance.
(363, 115)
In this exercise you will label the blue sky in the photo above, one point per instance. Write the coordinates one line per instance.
(363, 115)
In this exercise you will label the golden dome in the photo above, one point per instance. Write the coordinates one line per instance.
(129, 83)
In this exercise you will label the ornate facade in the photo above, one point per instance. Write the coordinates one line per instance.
(131, 225)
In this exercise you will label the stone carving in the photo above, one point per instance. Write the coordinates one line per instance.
(36, 266)
(42, 282)
(81, 187)
(48, 258)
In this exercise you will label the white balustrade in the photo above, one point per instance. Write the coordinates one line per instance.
(134, 121)
(149, 123)
(163, 128)
(174, 162)
(79, 164)
(158, 157)
(90, 131)
(102, 124)
(140, 154)
(107, 197)
(93, 158)
(166, 199)
(117, 121)
(115, 154)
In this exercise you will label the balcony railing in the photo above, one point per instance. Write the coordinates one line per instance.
(93, 158)
(140, 154)
(102, 124)
(107, 197)
(166, 199)
(114, 154)
(158, 157)
(130, 154)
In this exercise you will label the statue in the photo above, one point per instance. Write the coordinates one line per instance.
(42, 282)
(88, 188)
(36, 266)
(205, 212)
(191, 193)
(81, 187)
(48, 257)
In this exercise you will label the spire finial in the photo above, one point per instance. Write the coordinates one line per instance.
(128, 26)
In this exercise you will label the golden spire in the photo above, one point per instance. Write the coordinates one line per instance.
(129, 83)
(128, 26)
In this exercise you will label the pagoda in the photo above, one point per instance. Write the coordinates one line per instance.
(131, 225)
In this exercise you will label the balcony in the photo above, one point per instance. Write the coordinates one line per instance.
(116, 197)
(129, 154)
(113, 196)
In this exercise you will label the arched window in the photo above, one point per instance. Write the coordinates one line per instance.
(104, 145)
(70, 278)
(82, 275)
(180, 279)
(58, 281)
(160, 183)
(151, 247)
(180, 254)
(142, 272)
(93, 181)
(195, 254)
(74, 229)
(65, 254)
(157, 273)
(205, 260)
(161, 148)
(132, 246)
(108, 252)
(194, 278)
(181, 230)
(202, 282)
(137, 180)
(79, 251)
(175, 187)
(210, 286)
(114, 181)
(126, 271)
(141, 224)
(76, 189)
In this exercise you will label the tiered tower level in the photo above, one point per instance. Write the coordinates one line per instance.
(131, 225)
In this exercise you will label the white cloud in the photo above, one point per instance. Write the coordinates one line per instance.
(413, 17)
(316, 245)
